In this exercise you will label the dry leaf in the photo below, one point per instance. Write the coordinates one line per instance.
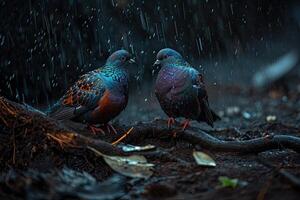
(131, 148)
(203, 159)
(271, 118)
(134, 166)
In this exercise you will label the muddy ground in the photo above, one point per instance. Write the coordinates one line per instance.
(244, 114)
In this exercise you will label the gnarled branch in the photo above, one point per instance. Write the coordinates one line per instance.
(11, 112)
(200, 137)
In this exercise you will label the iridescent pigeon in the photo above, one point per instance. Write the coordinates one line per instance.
(180, 90)
(98, 96)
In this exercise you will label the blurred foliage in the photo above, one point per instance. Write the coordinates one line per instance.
(45, 45)
(228, 182)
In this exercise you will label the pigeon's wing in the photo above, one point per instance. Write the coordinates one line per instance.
(207, 114)
(82, 97)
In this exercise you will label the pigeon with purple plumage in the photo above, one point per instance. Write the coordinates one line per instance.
(98, 96)
(180, 90)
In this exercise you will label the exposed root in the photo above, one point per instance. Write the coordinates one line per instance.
(200, 137)
(24, 123)
(63, 139)
(33, 126)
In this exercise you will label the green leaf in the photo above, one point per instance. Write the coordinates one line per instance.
(203, 159)
(228, 182)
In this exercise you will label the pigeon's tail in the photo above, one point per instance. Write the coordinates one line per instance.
(208, 115)
(216, 116)
(63, 113)
(60, 112)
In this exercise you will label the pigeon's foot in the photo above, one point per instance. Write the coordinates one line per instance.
(171, 121)
(95, 130)
(174, 135)
(185, 124)
(110, 128)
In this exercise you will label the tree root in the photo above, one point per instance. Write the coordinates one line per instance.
(21, 120)
(159, 128)
(163, 155)
(34, 124)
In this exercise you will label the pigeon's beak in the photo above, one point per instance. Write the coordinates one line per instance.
(131, 61)
(156, 63)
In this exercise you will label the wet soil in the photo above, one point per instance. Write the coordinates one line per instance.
(244, 113)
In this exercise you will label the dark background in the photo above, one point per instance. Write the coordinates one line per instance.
(46, 45)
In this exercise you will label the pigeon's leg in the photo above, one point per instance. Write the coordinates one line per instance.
(111, 128)
(96, 130)
(186, 123)
(171, 121)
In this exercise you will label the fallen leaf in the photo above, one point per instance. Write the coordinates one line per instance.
(203, 159)
(228, 182)
(271, 118)
(131, 148)
(233, 110)
(246, 115)
(134, 166)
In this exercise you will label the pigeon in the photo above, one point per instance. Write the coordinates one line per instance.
(98, 96)
(180, 90)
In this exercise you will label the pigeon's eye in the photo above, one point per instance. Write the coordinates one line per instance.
(124, 58)
(165, 56)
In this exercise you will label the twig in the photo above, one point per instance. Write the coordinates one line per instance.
(8, 109)
(295, 181)
(64, 139)
(292, 179)
(4, 121)
(122, 137)
(262, 193)
(14, 144)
